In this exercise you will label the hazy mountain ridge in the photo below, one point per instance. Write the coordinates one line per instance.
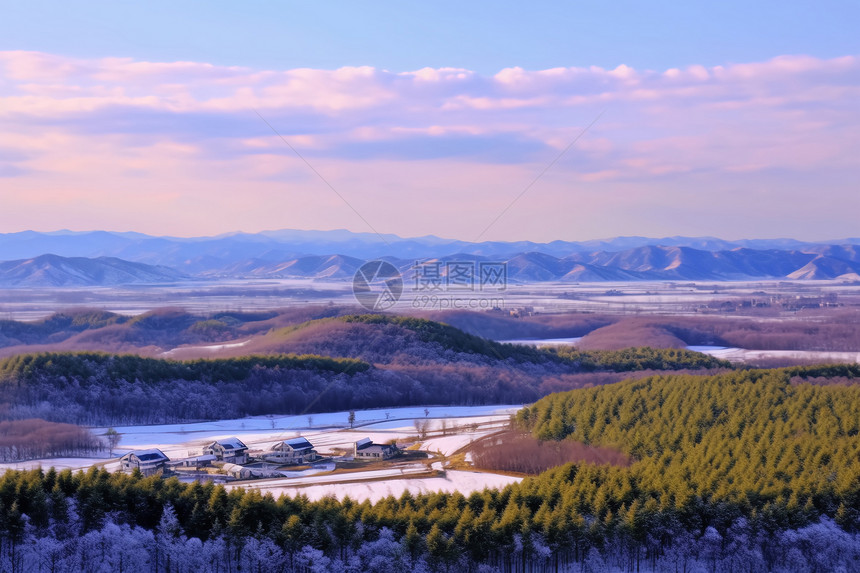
(53, 270)
(101, 258)
(312, 266)
(286, 243)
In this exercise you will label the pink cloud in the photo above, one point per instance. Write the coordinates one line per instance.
(101, 124)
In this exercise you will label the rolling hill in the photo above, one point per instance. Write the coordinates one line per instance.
(324, 364)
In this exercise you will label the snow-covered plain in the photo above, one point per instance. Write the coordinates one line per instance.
(208, 348)
(447, 445)
(56, 463)
(744, 355)
(450, 428)
(338, 479)
(543, 341)
(739, 355)
(453, 480)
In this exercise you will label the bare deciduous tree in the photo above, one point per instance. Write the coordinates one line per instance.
(112, 437)
(421, 426)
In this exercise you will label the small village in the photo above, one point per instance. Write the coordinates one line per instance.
(229, 459)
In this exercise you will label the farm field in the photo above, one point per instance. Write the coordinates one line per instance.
(682, 298)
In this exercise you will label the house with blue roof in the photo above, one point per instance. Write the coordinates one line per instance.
(149, 462)
(294, 451)
(366, 450)
(230, 450)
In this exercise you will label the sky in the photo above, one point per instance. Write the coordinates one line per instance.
(476, 121)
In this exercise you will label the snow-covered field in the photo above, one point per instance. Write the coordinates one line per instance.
(543, 341)
(744, 355)
(57, 463)
(336, 479)
(449, 429)
(447, 445)
(453, 480)
(739, 355)
(209, 348)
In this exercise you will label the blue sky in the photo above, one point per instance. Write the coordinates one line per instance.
(729, 119)
(403, 36)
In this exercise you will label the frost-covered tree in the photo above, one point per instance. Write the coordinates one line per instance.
(263, 556)
(384, 555)
(312, 560)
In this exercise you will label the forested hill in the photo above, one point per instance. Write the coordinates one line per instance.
(403, 340)
(338, 331)
(149, 333)
(413, 363)
(29, 368)
(316, 330)
(389, 339)
(756, 443)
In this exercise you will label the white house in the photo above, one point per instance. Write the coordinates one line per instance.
(230, 450)
(294, 451)
(149, 462)
(195, 462)
(237, 471)
(366, 450)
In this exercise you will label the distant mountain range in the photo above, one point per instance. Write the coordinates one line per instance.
(66, 258)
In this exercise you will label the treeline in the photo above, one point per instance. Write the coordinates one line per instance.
(626, 360)
(830, 330)
(97, 389)
(86, 365)
(97, 521)
(100, 399)
(161, 327)
(104, 389)
(451, 338)
(634, 359)
(57, 326)
(34, 438)
(390, 339)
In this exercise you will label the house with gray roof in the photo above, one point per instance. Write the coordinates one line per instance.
(237, 471)
(149, 462)
(196, 462)
(230, 450)
(366, 450)
(295, 451)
